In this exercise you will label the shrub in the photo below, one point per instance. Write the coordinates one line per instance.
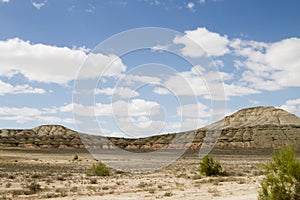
(60, 178)
(282, 177)
(75, 157)
(93, 181)
(98, 169)
(34, 188)
(210, 167)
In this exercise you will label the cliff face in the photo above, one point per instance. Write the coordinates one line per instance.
(259, 127)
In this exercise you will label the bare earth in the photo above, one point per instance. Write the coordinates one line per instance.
(61, 177)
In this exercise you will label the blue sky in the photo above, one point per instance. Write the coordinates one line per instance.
(43, 44)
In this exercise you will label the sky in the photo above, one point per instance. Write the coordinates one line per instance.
(204, 60)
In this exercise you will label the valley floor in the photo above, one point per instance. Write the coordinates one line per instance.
(44, 174)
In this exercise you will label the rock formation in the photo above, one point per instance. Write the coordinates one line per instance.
(259, 127)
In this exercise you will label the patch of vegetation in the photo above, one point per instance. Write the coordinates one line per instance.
(98, 169)
(282, 181)
(34, 188)
(11, 177)
(60, 178)
(75, 157)
(93, 181)
(211, 167)
(62, 192)
(7, 185)
(168, 194)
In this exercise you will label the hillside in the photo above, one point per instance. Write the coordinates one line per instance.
(258, 127)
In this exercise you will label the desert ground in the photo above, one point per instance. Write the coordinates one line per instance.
(44, 174)
(55, 174)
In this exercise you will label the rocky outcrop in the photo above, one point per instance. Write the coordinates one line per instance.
(259, 127)
(47, 136)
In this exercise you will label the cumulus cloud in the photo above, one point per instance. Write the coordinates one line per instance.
(200, 42)
(292, 106)
(6, 88)
(131, 79)
(265, 66)
(25, 111)
(51, 64)
(133, 108)
(191, 83)
(198, 110)
(271, 66)
(26, 114)
(119, 91)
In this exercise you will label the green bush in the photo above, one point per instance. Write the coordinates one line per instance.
(210, 167)
(282, 177)
(98, 169)
(75, 157)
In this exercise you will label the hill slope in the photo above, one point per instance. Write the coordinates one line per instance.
(258, 127)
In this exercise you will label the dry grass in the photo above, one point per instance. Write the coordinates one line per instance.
(39, 174)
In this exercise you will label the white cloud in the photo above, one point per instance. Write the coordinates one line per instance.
(6, 88)
(211, 43)
(269, 66)
(191, 83)
(292, 106)
(190, 5)
(99, 65)
(132, 108)
(51, 64)
(198, 110)
(130, 79)
(39, 5)
(25, 111)
(54, 120)
(5, 1)
(161, 91)
(238, 90)
(26, 114)
(119, 91)
(218, 63)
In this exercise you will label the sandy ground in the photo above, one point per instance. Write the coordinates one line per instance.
(61, 177)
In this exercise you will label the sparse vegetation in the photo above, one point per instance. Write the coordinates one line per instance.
(168, 194)
(75, 157)
(34, 188)
(59, 177)
(98, 169)
(7, 185)
(211, 167)
(282, 181)
(93, 181)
